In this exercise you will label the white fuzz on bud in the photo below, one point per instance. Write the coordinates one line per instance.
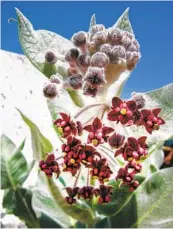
(99, 59)
(50, 57)
(50, 90)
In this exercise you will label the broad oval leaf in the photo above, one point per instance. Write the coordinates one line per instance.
(81, 212)
(14, 169)
(22, 207)
(150, 205)
(41, 145)
(120, 198)
(123, 22)
(43, 203)
(36, 43)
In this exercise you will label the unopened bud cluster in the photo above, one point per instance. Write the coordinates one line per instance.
(94, 52)
(78, 153)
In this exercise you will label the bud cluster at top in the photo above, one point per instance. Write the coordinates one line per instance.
(96, 50)
(78, 153)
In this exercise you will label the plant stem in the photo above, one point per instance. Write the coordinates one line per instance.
(77, 178)
(86, 108)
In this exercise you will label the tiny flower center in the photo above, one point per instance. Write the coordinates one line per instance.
(72, 161)
(60, 130)
(123, 111)
(156, 127)
(95, 142)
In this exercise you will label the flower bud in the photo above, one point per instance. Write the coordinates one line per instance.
(50, 57)
(95, 77)
(132, 48)
(72, 71)
(50, 90)
(90, 91)
(114, 36)
(116, 140)
(97, 28)
(106, 48)
(136, 43)
(127, 34)
(83, 61)
(133, 60)
(116, 53)
(99, 59)
(71, 55)
(139, 99)
(75, 81)
(56, 78)
(126, 41)
(100, 37)
(79, 39)
(93, 47)
(129, 56)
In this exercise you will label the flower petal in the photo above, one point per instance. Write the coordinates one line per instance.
(131, 105)
(97, 124)
(65, 116)
(116, 102)
(88, 128)
(142, 141)
(145, 113)
(133, 143)
(156, 111)
(113, 115)
(107, 130)
(50, 158)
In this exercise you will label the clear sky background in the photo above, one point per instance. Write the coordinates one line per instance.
(152, 23)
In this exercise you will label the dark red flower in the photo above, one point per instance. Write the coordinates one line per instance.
(72, 192)
(127, 178)
(50, 166)
(122, 111)
(71, 156)
(134, 165)
(100, 170)
(133, 148)
(150, 119)
(87, 154)
(86, 192)
(104, 193)
(88, 90)
(98, 133)
(66, 126)
(116, 140)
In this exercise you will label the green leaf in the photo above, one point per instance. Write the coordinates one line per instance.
(121, 196)
(116, 88)
(92, 22)
(23, 208)
(47, 222)
(159, 98)
(40, 144)
(123, 22)
(43, 203)
(7, 146)
(14, 170)
(155, 159)
(150, 205)
(36, 43)
(8, 201)
(80, 212)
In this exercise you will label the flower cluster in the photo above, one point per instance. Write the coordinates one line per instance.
(129, 113)
(89, 152)
(103, 193)
(94, 52)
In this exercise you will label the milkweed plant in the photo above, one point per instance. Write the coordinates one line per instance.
(106, 171)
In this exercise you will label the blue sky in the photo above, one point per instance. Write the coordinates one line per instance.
(151, 21)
